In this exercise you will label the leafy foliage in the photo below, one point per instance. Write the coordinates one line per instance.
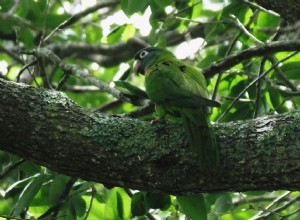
(96, 39)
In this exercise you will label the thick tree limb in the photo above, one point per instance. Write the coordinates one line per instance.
(48, 128)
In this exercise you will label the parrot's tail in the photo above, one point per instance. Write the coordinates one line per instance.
(201, 135)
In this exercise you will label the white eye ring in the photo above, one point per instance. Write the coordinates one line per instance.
(143, 54)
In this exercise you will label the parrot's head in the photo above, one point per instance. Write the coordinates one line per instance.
(147, 56)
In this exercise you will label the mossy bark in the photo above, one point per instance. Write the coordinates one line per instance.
(48, 128)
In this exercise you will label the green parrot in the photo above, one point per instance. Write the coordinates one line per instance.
(181, 91)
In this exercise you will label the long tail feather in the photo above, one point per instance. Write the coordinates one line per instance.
(201, 135)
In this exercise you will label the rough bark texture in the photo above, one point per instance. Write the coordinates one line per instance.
(288, 9)
(48, 128)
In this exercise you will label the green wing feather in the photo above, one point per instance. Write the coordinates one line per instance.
(181, 89)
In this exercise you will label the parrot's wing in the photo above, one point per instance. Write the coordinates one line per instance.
(182, 85)
(194, 101)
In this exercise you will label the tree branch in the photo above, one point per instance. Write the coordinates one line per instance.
(266, 49)
(111, 55)
(75, 70)
(48, 128)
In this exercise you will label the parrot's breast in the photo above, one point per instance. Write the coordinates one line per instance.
(155, 86)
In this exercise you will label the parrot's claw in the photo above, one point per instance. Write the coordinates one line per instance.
(157, 121)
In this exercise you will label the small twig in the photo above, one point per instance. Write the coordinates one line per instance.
(258, 88)
(19, 21)
(62, 82)
(45, 22)
(277, 210)
(281, 75)
(229, 50)
(74, 18)
(104, 87)
(12, 54)
(43, 73)
(286, 205)
(145, 110)
(11, 217)
(188, 7)
(80, 89)
(94, 192)
(283, 89)
(77, 71)
(10, 168)
(108, 106)
(32, 63)
(252, 83)
(257, 199)
(290, 214)
(14, 7)
(252, 5)
(238, 24)
(290, 28)
(276, 200)
(240, 100)
(54, 210)
(199, 22)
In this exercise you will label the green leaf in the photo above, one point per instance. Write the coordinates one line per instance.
(70, 212)
(137, 204)
(28, 194)
(57, 187)
(237, 9)
(54, 20)
(121, 33)
(128, 32)
(116, 34)
(143, 201)
(133, 90)
(132, 6)
(241, 111)
(5, 5)
(291, 70)
(82, 187)
(254, 193)
(93, 34)
(7, 27)
(163, 3)
(17, 186)
(78, 205)
(208, 60)
(212, 198)
(265, 21)
(223, 204)
(30, 168)
(119, 201)
(157, 201)
(277, 100)
(193, 206)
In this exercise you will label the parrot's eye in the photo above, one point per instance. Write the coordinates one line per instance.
(143, 54)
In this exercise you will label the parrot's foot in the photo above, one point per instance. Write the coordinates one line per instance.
(157, 121)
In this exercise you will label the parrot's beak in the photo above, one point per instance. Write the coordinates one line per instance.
(136, 66)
